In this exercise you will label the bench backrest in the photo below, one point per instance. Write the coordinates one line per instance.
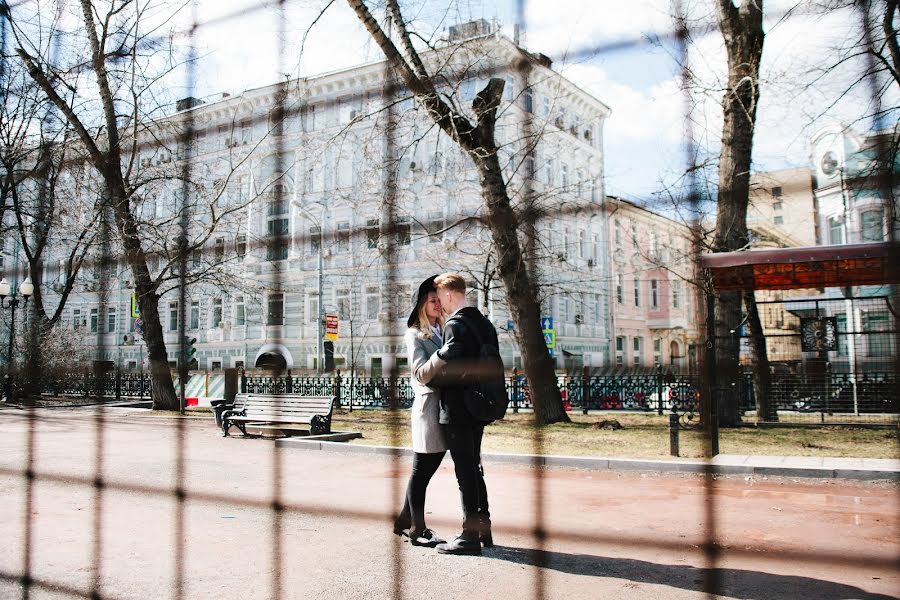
(285, 407)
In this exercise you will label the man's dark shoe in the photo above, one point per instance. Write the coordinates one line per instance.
(401, 528)
(487, 539)
(461, 545)
(426, 538)
(485, 532)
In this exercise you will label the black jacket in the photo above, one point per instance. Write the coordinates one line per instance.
(461, 350)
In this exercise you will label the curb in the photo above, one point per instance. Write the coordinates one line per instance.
(721, 465)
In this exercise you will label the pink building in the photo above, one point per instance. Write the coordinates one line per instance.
(653, 296)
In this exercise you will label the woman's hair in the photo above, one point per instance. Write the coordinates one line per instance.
(423, 324)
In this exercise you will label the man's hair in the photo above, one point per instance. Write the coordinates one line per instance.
(450, 281)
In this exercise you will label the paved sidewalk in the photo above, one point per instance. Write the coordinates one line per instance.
(185, 513)
(724, 464)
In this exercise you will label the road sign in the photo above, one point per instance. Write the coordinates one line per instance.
(139, 327)
(546, 323)
(510, 326)
(331, 327)
(550, 338)
(135, 309)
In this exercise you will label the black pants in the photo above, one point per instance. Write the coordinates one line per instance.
(464, 443)
(424, 468)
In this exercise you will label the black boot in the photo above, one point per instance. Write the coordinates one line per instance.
(485, 532)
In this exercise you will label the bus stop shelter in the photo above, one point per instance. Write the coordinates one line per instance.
(816, 267)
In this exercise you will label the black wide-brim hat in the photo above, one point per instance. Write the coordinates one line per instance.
(424, 287)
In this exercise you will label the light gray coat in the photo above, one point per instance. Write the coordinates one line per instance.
(427, 436)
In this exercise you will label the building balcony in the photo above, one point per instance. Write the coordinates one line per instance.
(676, 321)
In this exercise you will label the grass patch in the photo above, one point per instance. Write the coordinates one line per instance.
(641, 436)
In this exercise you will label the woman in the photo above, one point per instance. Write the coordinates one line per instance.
(423, 338)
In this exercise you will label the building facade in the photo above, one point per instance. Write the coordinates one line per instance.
(654, 295)
(290, 189)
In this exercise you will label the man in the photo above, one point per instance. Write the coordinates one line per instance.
(464, 332)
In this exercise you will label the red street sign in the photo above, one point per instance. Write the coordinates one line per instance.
(331, 327)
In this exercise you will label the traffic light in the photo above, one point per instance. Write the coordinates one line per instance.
(190, 352)
(329, 356)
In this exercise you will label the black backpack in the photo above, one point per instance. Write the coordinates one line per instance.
(487, 399)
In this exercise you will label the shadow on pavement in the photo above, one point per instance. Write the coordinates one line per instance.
(736, 583)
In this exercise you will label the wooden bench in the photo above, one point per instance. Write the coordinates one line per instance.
(282, 409)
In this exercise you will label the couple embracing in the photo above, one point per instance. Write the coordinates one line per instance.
(444, 342)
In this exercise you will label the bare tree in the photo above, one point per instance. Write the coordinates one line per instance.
(476, 137)
(108, 84)
(48, 219)
(742, 30)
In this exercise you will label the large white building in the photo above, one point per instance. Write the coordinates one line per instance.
(297, 173)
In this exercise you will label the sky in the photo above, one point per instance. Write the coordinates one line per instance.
(241, 46)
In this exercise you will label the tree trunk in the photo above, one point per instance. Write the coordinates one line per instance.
(742, 31)
(520, 287)
(161, 384)
(759, 358)
(477, 140)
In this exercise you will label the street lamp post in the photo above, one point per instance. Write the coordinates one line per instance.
(25, 290)
(320, 332)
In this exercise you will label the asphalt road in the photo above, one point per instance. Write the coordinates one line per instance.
(103, 513)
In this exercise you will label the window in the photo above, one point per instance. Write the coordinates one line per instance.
(342, 237)
(313, 304)
(528, 100)
(638, 343)
(582, 244)
(779, 220)
(373, 302)
(219, 249)
(872, 226)
(76, 318)
(620, 289)
(562, 305)
(777, 205)
(835, 231)
(776, 191)
(403, 231)
(315, 239)
(637, 292)
(657, 351)
(94, 320)
(676, 294)
(342, 299)
(618, 233)
(278, 205)
(277, 242)
(196, 258)
(216, 312)
(879, 344)
(173, 316)
(195, 314)
(110, 319)
(634, 233)
(372, 233)
(435, 225)
(240, 316)
(841, 336)
(564, 177)
(275, 312)
(620, 351)
(654, 293)
(240, 246)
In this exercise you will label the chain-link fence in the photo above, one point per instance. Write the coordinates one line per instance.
(234, 231)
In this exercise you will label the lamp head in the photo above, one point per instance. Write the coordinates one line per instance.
(27, 288)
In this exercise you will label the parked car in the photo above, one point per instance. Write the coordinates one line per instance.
(683, 396)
